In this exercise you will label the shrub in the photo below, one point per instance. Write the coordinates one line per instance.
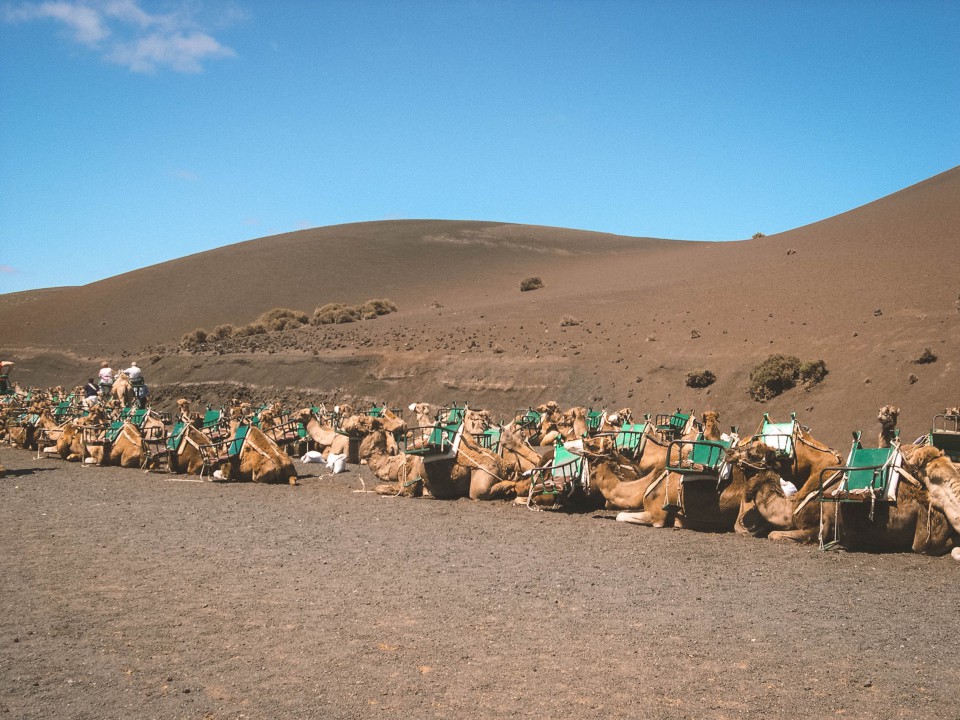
(530, 283)
(283, 319)
(569, 321)
(778, 373)
(338, 313)
(335, 313)
(757, 235)
(700, 379)
(222, 332)
(374, 308)
(194, 338)
(773, 376)
(812, 372)
(925, 357)
(254, 328)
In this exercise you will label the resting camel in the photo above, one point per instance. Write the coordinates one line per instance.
(476, 472)
(186, 454)
(126, 450)
(400, 474)
(704, 503)
(940, 478)
(887, 417)
(909, 524)
(260, 460)
(69, 445)
(465, 470)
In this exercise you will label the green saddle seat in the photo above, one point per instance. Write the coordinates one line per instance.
(630, 438)
(778, 435)
(869, 474)
(236, 443)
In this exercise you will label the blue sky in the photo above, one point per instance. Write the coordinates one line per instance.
(136, 131)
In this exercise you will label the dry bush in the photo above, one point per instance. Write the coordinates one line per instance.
(338, 313)
(569, 321)
(927, 356)
(374, 308)
(700, 379)
(531, 283)
(222, 332)
(283, 319)
(335, 313)
(812, 372)
(778, 373)
(194, 338)
(254, 328)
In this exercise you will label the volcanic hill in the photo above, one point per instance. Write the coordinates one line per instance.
(620, 321)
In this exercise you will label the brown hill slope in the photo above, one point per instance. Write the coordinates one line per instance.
(866, 291)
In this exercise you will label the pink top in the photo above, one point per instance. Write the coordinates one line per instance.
(106, 375)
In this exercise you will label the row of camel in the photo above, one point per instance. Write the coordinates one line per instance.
(750, 495)
(108, 433)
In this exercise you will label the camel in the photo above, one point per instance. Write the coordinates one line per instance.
(401, 474)
(515, 450)
(696, 500)
(186, 449)
(909, 524)
(711, 425)
(260, 459)
(610, 423)
(122, 390)
(23, 431)
(477, 473)
(125, 449)
(887, 417)
(326, 438)
(70, 445)
(463, 469)
(724, 506)
(940, 478)
(424, 413)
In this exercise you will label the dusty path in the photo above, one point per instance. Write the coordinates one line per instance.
(128, 596)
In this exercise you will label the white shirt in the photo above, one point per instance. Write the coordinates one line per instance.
(133, 372)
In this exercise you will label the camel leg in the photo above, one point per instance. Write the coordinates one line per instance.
(800, 536)
(636, 518)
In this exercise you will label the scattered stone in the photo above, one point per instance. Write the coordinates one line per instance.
(912, 379)
(694, 334)
(878, 312)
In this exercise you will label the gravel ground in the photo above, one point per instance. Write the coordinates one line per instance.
(128, 594)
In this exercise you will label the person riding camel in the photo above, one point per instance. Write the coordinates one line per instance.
(135, 375)
(5, 387)
(106, 378)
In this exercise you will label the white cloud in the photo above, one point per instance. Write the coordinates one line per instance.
(128, 35)
(8, 270)
(85, 22)
(179, 51)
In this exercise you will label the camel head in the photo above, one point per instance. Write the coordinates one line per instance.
(918, 457)
(887, 417)
(710, 417)
(754, 455)
(600, 446)
(361, 425)
(768, 477)
(183, 407)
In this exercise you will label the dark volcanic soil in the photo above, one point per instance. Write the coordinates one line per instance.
(129, 595)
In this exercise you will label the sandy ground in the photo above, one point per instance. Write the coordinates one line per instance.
(135, 595)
